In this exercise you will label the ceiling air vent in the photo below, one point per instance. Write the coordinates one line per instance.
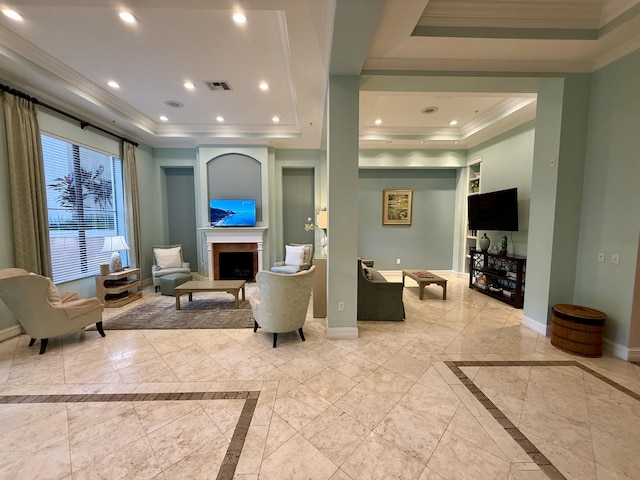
(428, 110)
(218, 85)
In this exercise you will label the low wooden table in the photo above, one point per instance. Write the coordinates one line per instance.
(425, 278)
(230, 286)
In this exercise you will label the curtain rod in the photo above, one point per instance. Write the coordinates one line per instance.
(83, 123)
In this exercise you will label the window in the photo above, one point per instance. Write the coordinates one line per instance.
(85, 200)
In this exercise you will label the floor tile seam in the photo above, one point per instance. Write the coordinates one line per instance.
(229, 464)
(525, 444)
(608, 381)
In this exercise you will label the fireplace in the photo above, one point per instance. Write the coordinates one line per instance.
(230, 240)
(235, 261)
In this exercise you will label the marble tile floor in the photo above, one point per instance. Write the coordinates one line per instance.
(460, 390)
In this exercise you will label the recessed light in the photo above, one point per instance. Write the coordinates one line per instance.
(264, 86)
(421, 141)
(127, 17)
(378, 121)
(163, 118)
(239, 17)
(13, 15)
(113, 84)
(189, 85)
(220, 118)
(453, 122)
(456, 142)
(275, 119)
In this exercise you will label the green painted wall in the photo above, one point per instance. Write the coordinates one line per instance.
(610, 214)
(507, 161)
(426, 243)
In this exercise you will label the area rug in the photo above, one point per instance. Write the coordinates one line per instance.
(207, 310)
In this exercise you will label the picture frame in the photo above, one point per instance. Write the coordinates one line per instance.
(397, 207)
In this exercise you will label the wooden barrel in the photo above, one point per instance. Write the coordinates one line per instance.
(577, 329)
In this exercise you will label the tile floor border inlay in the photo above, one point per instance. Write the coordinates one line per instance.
(529, 448)
(230, 462)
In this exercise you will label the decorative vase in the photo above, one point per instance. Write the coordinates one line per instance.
(484, 243)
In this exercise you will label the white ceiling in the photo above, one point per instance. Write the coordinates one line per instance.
(65, 52)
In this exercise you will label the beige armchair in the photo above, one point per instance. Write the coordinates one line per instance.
(298, 257)
(167, 260)
(283, 301)
(41, 310)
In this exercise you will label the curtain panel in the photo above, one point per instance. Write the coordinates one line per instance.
(132, 202)
(27, 185)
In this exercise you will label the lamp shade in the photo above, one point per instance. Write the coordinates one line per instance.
(113, 244)
(321, 219)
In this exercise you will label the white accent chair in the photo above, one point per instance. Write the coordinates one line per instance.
(42, 311)
(298, 257)
(167, 261)
(283, 301)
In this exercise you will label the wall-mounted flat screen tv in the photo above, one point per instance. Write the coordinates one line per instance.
(494, 210)
(232, 213)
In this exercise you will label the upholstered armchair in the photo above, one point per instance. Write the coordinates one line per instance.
(282, 303)
(298, 257)
(167, 260)
(41, 310)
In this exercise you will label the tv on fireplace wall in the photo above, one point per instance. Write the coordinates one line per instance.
(232, 213)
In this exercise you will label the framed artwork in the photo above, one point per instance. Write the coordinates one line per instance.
(396, 207)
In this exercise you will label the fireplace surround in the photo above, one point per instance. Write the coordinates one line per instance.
(233, 239)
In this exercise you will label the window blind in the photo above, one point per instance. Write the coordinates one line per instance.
(85, 203)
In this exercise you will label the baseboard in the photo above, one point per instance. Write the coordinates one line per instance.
(342, 333)
(537, 327)
(10, 332)
(633, 354)
(620, 351)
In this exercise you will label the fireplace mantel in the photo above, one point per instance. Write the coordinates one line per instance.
(233, 235)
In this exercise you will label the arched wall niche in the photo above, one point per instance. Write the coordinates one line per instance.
(235, 176)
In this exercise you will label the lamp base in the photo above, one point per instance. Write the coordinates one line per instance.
(116, 262)
(324, 245)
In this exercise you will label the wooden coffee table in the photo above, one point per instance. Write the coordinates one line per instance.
(424, 278)
(230, 286)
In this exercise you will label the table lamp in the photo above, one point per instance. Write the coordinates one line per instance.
(321, 222)
(115, 244)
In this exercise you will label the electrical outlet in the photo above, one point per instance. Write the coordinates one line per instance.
(397, 261)
(615, 258)
(341, 306)
(601, 257)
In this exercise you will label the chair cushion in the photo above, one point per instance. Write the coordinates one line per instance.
(168, 257)
(288, 269)
(295, 255)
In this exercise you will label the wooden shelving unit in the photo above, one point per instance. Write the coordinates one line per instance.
(118, 288)
(499, 276)
(474, 171)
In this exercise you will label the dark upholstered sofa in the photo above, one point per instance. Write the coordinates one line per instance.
(378, 299)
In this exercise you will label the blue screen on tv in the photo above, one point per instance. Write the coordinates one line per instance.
(232, 213)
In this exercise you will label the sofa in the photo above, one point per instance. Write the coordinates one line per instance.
(378, 299)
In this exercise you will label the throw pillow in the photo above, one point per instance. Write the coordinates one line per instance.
(168, 257)
(367, 273)
(294, 255)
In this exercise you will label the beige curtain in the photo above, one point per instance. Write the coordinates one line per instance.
(27, 185)
(132, 201)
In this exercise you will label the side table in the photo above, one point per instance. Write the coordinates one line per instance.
(118, 288)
